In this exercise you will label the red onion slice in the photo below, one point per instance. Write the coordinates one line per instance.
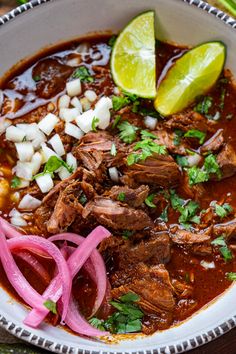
(75, 263)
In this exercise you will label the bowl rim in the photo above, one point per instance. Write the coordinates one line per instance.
(182, 346)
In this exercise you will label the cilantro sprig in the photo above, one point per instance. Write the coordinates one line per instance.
(125, 100)
(222, 210)
(199, 175)
(127, 318)
(53, 164)
(223, 248)
(15, 182)
(127, 132)
(186, 208)
(194, 133)
(51, 306)
(83, 74)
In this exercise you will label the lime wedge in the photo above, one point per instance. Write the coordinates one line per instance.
(133, 61)
(192, 75)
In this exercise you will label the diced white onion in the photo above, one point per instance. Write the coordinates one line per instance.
(114, 174)
(25, 151)
(41, 138)
(86, 105)
(77, 104)
(193, 160)
(71, 161)
(90, 95)
(73, 130)
(23, 184)
(14, 213)
(47, 153)
(57, 145)
(64, 101)
(102, 112)
(74, 88)
(48, 123)
(116, 91)
(4, 124)
(69, 114)
(84, 121)
(36, 162)
(15, 134)
(29, 203)
(18, 221)
(63, 173)
(150, 122)
(24, 170)
(45, 182)
(74, 62)
(31, 131)
(208, 265)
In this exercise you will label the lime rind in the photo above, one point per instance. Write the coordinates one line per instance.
(192, 75)
(133, 60)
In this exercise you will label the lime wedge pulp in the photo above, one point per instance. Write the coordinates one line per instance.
(191, 76)
(133, 61)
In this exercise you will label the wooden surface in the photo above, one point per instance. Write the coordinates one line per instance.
(223, 345)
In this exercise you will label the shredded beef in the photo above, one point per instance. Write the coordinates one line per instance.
(187, 121)
(227, 161)
(214, 143)
(132, 197)
(187, 237)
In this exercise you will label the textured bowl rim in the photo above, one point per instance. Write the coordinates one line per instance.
(183, 346)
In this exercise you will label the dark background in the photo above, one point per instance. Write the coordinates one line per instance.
(223, 345)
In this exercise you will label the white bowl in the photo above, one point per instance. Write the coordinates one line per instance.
(22, 33)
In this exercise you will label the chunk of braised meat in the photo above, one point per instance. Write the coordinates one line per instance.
(159, 171)
(196, 192)
(156, 294)
(188, 120)
(103, 142)
(57, 210)
(227, 161)
(204, 249)
(33, 117)
(68, 206)
(33, 190)
(67, 140)
(182, 289)
(132, 197)
(214, 143)
(116, 215)
(167, 138)
(227, 229)
(53, 76)
(93, 162)
(155, 249)
(187, 237)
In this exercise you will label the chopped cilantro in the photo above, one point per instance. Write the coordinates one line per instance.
(51, 306)
(130, 297)
(126, 234)
(147, 135)
(187, 209)
(36, 78)
(222, 98)
(127, 132)
(22, 2)
(116, 121)
(53, 164)
(204, 105)
(164, 214)
(199, 175)
(148, 148)
(149, 201)
(149, 112)
(178, 134)
(121, 197)
(182, 161)
(83, 74)
(119, 102)
(113, 150)
(222, 210)
(83, 199)
(231, 276)
(224, 250)
(95, 123)
(97, 323)
(15, 182)
(112, 40)
(194, 133)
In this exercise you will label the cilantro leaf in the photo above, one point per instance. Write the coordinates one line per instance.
(116, 121)
(178, 134)
(97, 323)
(182, 161)
(231, 276)
(211, 165)
(119, 102)
(222, 210)
(112, 41)
(95, 123)
(15, 182)
(147, 135)
(224, 250)
(121, 197)
(36, 78)
(164, 214)
(149, 201)
(204, 105)
(197, 175)
(83, 74)
(194, 133)
(130, 297)
(53, 164)
(149, 112)
(51, 306)
(83, 199)
(126, 234)
(113, 151)
(187, 209)
(127, 132)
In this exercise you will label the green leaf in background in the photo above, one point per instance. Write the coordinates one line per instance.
(230, 5)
